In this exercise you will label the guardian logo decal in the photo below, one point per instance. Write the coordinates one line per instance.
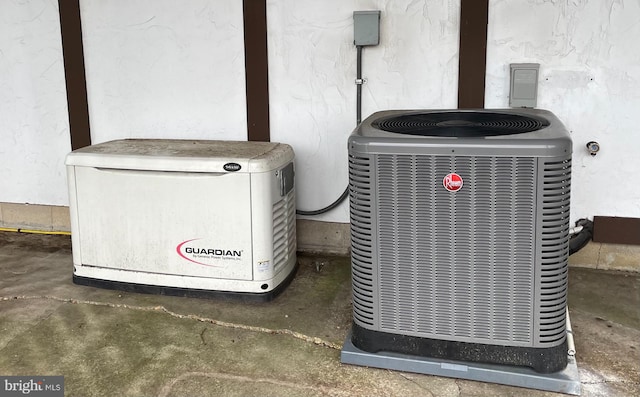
(452, 182)
(204, 255)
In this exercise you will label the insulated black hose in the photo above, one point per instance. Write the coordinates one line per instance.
(582, 238)
(328, 207)
(345, 194)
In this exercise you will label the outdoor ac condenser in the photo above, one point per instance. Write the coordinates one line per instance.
(459, 235)
(183, 217)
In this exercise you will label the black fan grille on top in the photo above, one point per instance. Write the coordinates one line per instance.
(461, 124)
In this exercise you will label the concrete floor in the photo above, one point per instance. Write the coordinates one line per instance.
(110, 343)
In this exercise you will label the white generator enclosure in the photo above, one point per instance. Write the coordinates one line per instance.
(460, 235)
(183, 217)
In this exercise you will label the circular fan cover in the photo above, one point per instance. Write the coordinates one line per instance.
(460, 124)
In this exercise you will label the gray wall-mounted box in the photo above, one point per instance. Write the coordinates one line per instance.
(523, 92)
(366, 28)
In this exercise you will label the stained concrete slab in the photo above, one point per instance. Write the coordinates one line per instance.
(111, 343)
(608, 257)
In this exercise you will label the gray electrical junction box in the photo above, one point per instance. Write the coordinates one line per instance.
(366, 28)
(523, 91)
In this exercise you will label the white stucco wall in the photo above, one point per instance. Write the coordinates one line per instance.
(312, 68)
(589, 60)
(158, 69)
(164, 69)
(34, 128)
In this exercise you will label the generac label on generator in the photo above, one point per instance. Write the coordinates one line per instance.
(198, 251)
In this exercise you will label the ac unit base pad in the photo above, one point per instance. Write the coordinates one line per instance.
(565, 381)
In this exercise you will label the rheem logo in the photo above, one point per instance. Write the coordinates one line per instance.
(452, 182)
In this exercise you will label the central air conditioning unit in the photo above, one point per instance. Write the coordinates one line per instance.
(460, 235)
(184, 217)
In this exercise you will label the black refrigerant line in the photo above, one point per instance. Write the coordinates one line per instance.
(359, 82)
(582, 238)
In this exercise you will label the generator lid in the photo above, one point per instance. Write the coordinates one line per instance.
(180, 155)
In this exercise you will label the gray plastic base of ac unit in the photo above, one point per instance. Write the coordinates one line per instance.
(566, 381)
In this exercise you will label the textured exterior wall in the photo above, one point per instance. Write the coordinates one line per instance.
(164, 69)
(312, 68)
(158, 68)
(34, 127)
(589, 77)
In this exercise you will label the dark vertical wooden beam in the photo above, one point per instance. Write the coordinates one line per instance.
(256, 69)
(73, 55)
(474, 16)
(616, 230)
